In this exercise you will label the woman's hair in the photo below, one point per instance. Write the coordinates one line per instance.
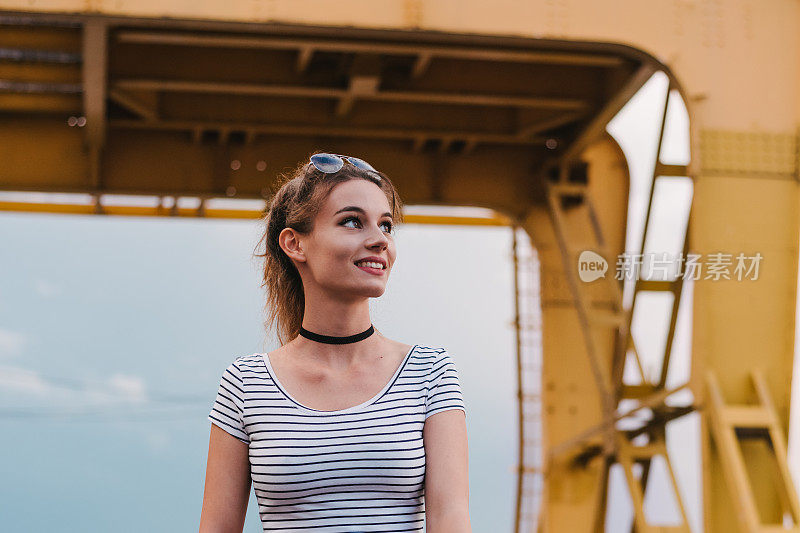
(299, 198)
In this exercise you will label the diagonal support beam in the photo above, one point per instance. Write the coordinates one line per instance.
(421, 65)
(654, 400)
(534, 128)
(303, 59)
(600, 121)
(146, 106)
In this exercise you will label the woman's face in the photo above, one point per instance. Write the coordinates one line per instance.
(354, 223)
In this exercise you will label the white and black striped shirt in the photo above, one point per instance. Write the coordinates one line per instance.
(354, 470)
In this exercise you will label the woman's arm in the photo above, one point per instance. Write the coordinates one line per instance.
(227, 487)
(446, 473)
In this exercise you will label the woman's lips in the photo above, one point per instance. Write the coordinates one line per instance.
(375, 271)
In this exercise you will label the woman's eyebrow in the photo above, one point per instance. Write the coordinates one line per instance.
(359, 210)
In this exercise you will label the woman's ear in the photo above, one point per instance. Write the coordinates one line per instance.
(290, 243)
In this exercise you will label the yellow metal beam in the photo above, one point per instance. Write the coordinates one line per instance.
(342, 45)
(497, 219)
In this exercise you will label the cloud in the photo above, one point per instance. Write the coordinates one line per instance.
(21, 380)
(132, 388)
(45, 288)
(11, 343)
(120, 388)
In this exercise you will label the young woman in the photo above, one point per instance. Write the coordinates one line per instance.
(340, 429)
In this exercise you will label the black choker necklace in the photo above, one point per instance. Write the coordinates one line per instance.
(330, 339)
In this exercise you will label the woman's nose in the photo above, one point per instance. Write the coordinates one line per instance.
(379, 237)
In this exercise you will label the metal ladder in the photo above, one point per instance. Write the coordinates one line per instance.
(627, 456)
(730, 425)
(528, 320)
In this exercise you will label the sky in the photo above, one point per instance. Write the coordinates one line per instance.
(114, 332)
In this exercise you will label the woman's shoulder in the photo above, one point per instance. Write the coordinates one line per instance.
(433, 354)
(246, 365)
(247, 360)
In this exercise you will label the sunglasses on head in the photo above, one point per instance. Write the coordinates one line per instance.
(330, 163)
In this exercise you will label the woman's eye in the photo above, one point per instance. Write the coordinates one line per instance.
(354, 219)
(348, 219)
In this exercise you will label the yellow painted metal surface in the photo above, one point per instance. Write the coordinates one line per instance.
(570, 398)
(738, 65)
(729, 55)
(739, 325)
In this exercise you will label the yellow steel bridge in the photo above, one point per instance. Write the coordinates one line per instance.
(182, 109)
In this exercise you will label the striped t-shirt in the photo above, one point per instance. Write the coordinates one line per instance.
(354, 470)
